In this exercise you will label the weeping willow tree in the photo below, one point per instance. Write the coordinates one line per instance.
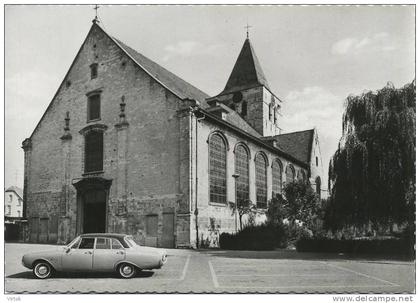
(372, 174)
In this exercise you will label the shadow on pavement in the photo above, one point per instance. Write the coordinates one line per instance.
(79, 275)
(287, 254)
(22, 275)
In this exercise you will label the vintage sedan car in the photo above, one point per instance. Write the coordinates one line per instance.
(102, 252)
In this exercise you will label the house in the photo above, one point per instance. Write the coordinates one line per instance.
(13, 202)
(13, 214)
(127, 146)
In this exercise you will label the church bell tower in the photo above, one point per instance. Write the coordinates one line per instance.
(248, 93)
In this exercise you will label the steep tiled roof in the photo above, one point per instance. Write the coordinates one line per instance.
(170, 81)
(234, 118)
(183, 88)
(17, 190)
(247, 71)
(297, 144)
(178, 86)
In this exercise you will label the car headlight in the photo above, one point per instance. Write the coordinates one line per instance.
(164, 258)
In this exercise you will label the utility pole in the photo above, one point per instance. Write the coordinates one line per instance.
(236, 176)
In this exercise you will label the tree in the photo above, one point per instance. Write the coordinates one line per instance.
(243, 207)
(373, 170)
(276, 212)
(299, 202)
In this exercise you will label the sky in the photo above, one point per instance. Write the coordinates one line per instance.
(313, 56)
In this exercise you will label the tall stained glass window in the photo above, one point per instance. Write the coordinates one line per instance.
(261, 180)
(94, 151)
(318, 185)
(290, 173)
(277, 177)
(242, 169)
(217, 169)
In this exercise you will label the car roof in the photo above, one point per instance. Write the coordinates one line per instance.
(109, 235)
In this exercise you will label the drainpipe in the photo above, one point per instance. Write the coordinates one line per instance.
(197, 119)
(236, 176)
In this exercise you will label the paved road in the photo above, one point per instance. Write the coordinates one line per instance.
(225, 271)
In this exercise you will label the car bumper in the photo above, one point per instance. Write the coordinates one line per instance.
(163, 259)
(26, 264)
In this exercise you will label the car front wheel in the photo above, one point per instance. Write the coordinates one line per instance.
(126, 271)
(42, 270)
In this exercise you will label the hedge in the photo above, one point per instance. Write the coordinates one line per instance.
(359, 246)
(260, 237)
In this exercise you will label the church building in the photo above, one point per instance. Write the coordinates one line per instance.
(126, 146)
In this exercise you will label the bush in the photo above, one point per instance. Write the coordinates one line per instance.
(260, 237)
(295, 232)
(359, 246)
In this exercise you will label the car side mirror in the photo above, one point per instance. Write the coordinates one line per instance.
(67, 249)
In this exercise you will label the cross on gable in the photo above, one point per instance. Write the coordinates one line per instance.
(96, 13)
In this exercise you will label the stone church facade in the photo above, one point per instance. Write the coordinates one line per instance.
(126, 146)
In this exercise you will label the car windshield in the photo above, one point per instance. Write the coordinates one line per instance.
(130, 241)
(75, 240)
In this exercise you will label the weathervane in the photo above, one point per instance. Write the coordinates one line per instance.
(247, 29)
(96, 20)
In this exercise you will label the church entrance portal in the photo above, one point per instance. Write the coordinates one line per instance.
(94, 211)
(92, 197)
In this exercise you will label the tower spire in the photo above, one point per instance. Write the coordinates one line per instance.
(96, 20)
(247, 71)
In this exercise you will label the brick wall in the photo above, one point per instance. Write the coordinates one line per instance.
(145, 177)
(258, 100)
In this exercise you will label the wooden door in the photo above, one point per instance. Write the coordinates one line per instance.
(53, 230)
(151, 230)
(33, 229)
(43, 230)
(168, 239)
(94, 211)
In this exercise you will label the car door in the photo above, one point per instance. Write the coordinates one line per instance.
(108, 251)
(80, 256)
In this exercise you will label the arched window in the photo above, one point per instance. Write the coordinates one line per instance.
(217, 169)
(275, 113)
(277, 171)
(270, 111)
(94, 70)
(261, 180)
(244, 110)
(290, 173)
(301, 175)
(242, 169)
(94, 107)
(94, 151)
(318, 185)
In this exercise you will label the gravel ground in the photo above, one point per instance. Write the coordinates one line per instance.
(215, 271)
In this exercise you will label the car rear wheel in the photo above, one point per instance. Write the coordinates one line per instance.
(42, 270)
(126, 270)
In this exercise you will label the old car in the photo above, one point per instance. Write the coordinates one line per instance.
(102, 252)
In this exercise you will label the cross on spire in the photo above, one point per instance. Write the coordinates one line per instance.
(247, 30)
(96, 14)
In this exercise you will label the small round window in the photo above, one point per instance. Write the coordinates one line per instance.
(237, 97)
